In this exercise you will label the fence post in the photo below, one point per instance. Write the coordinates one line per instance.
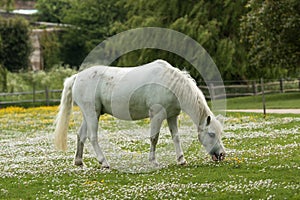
(263, 95)
(281, 85)
(254, 87)
(33, 92)
(212, 91)
(47, 95)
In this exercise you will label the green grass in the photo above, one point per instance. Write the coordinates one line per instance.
(286, 100)
(262, 162)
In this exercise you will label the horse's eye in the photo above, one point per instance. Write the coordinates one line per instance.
(211, 134)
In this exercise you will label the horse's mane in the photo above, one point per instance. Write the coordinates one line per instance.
(187, 92)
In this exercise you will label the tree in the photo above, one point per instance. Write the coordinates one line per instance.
(50, 47)
(3, 71)
(214, 24)
(15, 43)
(270, 31)
(92, 19)
(52, 11)
(8, 5)
(88, 21)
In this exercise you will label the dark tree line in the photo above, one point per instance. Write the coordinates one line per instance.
(247, 39)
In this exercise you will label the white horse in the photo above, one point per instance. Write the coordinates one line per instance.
(156, 90)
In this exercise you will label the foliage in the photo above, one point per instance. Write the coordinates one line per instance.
(8, 5)
(15, 48)
(3, 71)
(90, 20)
(209, 23)
(247, 39)
(52, 11)
(93, 18)
(50, 47)
(53, 79)
(3, 78)
(214, 24)
(270, 32)
(73, 47)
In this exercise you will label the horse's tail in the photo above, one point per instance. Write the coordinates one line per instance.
(63, 116)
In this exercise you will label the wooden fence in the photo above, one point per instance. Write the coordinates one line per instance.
(44, 97)
(212, 91)
(251, 89)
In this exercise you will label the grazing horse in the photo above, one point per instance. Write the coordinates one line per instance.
(156, 90)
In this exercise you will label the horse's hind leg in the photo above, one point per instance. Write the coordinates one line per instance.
(172, 123)
(81, 138)
(157, 115)
(92, 128)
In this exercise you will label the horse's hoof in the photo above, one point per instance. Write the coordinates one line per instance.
(78, 163)
(105, 167)
(183, 163)
(154, 163)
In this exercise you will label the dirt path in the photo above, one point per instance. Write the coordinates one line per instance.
(277, 111)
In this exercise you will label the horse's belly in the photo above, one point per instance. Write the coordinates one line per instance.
(136, 105)
(126, 110)
(138, 110)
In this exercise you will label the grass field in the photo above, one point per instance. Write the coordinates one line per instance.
(285, 100)
(263, 160)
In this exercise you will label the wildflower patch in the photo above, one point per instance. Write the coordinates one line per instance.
(263, 160)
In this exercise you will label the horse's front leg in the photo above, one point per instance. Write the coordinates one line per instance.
(157, 115)
(172, 123)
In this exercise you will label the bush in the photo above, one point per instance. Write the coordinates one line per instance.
(15, 44)
(51, 49)
(20, 82)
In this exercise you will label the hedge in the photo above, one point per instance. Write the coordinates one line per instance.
(15, 45)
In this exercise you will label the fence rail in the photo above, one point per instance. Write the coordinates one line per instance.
(212, 91)
(45, 97)
(253, 88)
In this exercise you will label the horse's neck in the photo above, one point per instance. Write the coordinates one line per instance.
(192, 101)
(198, 116)
(196, 107)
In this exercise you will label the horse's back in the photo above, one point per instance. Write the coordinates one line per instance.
(127, 93)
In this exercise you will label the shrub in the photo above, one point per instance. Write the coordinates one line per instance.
(18, 82)
(15, 48)
(51, 49)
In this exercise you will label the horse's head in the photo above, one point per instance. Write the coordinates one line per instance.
(209, 134)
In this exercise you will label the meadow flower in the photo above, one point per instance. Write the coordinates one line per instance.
(28, 156)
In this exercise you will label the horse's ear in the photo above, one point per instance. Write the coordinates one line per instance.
(208, 120)
(221, 119)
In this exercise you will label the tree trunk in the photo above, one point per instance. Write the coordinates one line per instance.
(3, 74)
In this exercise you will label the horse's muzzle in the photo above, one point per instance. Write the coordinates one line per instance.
(219, 157)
